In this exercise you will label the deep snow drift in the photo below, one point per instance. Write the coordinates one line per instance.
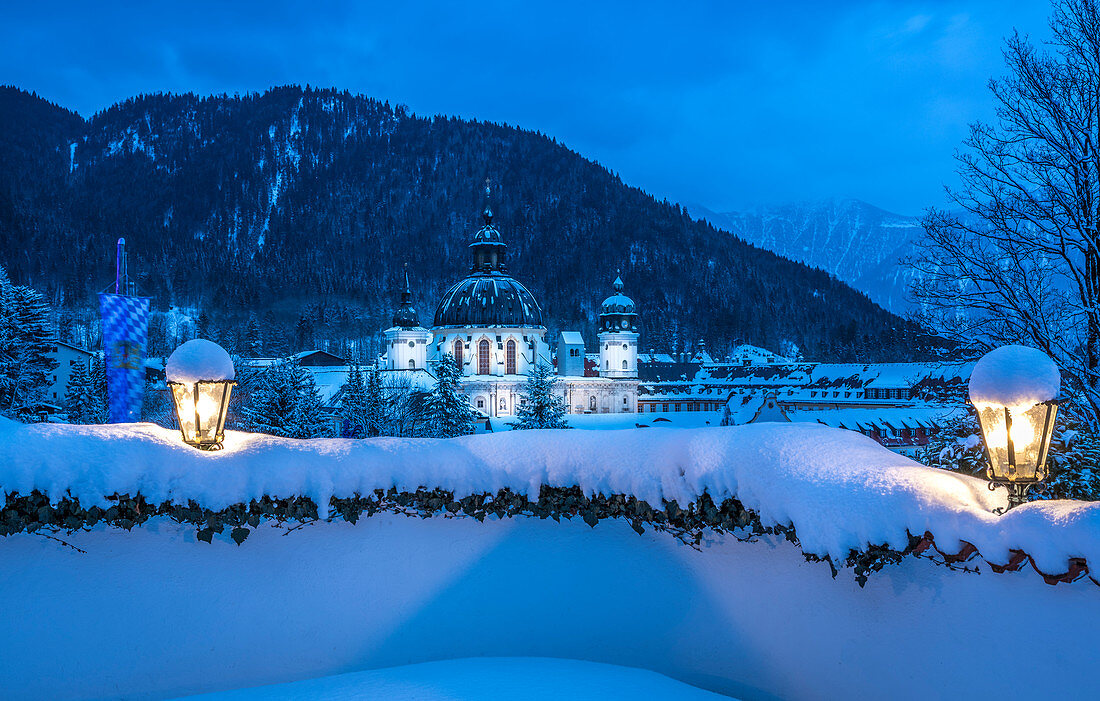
(153, 613)
(482, 679)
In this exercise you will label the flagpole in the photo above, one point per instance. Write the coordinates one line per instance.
(121, 281)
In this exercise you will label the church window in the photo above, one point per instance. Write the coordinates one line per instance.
(624, 400)
(483, 357)
(510, 358)
(412, 364)
(480, 403)
(607, 365)
(458, 351)
(624, 365)
(412, 344)
(625, 346)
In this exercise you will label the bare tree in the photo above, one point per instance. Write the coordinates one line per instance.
(1017, 261)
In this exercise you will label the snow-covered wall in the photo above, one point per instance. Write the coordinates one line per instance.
(841, 491)
(153, 612)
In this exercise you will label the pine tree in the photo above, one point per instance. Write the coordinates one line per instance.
(353, 405)
(447, 411)
(284, 401)
(25, 345)
(252, 344)
(95, 404)
(542, 408)
(375, 405)
(76, 394)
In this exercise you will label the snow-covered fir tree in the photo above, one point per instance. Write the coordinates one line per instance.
(376, 409)
(25, 362)
(447, 412)
(283, 400)
(77, 393)
(353, 405)
(542, 408)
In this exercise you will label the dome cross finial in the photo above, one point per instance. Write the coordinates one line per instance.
(488, 212)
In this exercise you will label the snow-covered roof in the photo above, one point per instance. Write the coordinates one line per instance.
(1014, 376)
(488, 299)
(198, 360)
(572, 338)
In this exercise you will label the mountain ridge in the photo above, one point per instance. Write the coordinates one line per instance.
(857, 242)
(316, 199)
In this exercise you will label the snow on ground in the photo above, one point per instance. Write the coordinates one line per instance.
(840, 490)
(483, 679)
(155, 613)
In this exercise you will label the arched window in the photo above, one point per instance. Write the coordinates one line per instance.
(607, 365)
(412, 364)
(624, 365)
(458, 351)
(592, 403)
(483, 357)
(510, 358)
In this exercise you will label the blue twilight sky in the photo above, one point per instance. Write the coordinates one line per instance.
(727, 104)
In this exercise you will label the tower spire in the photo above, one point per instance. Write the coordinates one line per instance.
(487, 246)
(406, 316)
(487, 213)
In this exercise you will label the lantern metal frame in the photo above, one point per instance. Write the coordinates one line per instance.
(1017, 488)
(216, 442)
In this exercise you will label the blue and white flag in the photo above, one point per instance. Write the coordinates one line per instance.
(125, 332)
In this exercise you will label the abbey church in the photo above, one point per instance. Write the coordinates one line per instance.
(493, 327)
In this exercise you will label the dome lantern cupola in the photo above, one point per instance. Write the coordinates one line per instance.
(488, 296)
(617, 313)
(406, 317)
(488, 247)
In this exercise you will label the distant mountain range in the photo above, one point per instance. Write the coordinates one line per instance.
(856, 242)
(302, 207)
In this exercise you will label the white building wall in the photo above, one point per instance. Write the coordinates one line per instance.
(619, 354)
(407, 349)
(67, 359)
(530, 344)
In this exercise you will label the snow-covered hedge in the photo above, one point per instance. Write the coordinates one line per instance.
(836, 493)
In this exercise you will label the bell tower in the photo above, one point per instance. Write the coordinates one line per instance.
(618, 335)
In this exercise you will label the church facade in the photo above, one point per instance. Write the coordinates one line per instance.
(493, 327)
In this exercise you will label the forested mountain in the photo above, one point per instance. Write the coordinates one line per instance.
(301, 206)
(852, 240)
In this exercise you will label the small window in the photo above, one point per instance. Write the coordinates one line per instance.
(625, 347)
(412, 344)
(624, 400)
(480, 403)
(412, 364)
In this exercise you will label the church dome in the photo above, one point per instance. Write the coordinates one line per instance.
(617, 313)
(617, 303)
(492, 299)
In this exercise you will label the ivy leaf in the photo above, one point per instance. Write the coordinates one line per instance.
(238, 534)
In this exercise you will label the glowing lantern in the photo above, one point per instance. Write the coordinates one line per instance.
(1013, 389)
(200, 375)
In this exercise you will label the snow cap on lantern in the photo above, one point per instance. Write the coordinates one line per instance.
(199, 360)
(1014, 376)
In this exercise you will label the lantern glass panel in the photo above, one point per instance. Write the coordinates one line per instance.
(201, 409)
(1017, 440)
